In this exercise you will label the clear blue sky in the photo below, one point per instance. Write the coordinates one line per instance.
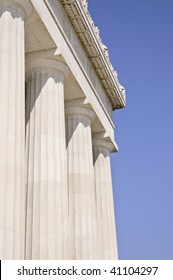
(139, 36)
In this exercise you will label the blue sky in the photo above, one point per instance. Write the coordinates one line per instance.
(139, 36)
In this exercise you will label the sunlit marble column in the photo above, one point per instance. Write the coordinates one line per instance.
(81, 190)
(46, 230)
(106, 242)
(12, 128)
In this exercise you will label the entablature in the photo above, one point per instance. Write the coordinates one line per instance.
(88, 33)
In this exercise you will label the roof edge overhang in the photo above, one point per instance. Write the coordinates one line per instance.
(100, 60)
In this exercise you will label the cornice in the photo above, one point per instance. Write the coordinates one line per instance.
(88, 33)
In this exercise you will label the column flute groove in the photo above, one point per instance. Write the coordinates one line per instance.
(106, 239)
(82, 210)
(47, 208)
(12, 128)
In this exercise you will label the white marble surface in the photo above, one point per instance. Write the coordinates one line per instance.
(12, 128)
(81, 191)
(106, 241)
(55, 185)
(46, 232)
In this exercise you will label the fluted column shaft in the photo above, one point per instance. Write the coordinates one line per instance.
(81, 191)
(107, 243)
(12, 128)
(46, 234)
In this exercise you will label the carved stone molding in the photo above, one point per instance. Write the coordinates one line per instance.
(68, 1)
(88, 33)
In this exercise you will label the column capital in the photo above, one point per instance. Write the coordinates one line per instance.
(71, 110)
(104, 144)
(24, 5)
(45, 64)
(99, 141)
(102, 140)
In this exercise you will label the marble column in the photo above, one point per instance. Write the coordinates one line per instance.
(47, 212)
(81, 190)
(106, 242)
(12, 128)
